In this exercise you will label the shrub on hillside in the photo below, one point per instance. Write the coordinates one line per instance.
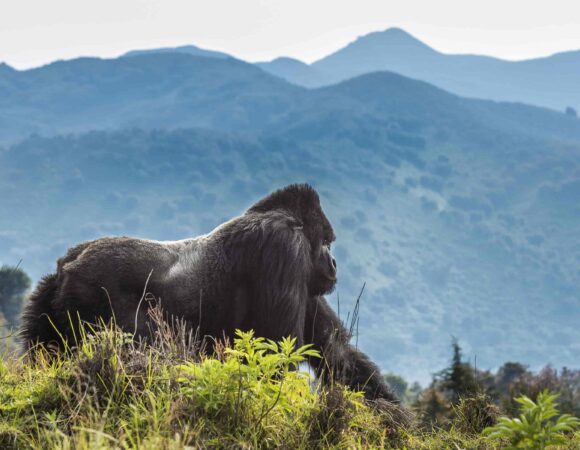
(535, 428)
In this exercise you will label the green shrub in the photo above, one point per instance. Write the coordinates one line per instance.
(255, 387)
(534, 429)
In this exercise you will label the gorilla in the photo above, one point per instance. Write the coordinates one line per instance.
(266, 270)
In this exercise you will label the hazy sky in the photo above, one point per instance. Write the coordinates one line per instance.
(33, 32)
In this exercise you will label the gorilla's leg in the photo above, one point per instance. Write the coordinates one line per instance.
(340, 360)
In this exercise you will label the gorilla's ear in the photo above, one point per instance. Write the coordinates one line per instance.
(298, 199)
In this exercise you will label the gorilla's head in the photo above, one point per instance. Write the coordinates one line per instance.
(303, 203)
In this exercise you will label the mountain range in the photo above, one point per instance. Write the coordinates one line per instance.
(552, 82)
(459, 216)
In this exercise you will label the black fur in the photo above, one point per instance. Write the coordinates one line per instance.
(265, 270)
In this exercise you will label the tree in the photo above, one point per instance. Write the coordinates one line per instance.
(566, 384)
(397, 383)
(458, 380)
(432, 408)
(14, 283)
(507, 375)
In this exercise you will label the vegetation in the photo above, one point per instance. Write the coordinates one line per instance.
(113, 393)
(471, 399)
(534, 428)
(14, 283)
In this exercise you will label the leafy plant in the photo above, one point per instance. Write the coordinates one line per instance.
(534, 429)
(250, 379)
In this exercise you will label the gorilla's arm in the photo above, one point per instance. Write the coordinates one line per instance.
(340, 360)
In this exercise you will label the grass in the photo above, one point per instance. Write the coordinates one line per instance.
(111, 392)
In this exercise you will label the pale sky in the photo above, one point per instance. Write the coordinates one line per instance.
(34, 32)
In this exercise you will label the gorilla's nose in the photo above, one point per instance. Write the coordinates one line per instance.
(333, 262)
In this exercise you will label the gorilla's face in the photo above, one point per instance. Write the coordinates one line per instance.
(321, 235)
(303, 204)
(323, 270)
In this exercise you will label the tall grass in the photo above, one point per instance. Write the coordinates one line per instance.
(108, 391)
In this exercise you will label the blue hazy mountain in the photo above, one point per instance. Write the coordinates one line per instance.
(151, 90)
(460, 215)
(172, 90)
(295, 71)
(552, 81)
(186, 49)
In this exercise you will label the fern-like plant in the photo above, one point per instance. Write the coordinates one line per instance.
(535, 428)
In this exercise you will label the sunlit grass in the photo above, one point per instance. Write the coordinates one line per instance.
(110, 392)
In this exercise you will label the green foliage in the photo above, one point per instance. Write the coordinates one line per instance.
(113, 393)
(534, 429)
(565, 383)
(398, 384)
(458, 379)
(14, 283)
(474, 414)
(433, 408)
(470, 400)
(256, 385)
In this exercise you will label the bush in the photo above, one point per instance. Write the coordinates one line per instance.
(534, 429)
(256, 388)
(474, 414)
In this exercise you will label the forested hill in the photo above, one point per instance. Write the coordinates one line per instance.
(150, 90)
(460, 215)
(171, 90)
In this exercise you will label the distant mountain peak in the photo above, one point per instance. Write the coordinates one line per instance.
(6, 68)
(390, 38)
(293, 70)
(287, 61)
(186, 49)
(381, 50)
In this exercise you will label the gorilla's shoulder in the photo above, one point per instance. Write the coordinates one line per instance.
(112, 250)
(268, 226)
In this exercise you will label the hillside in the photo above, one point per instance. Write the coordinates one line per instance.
(460, 215)
(113, 393)
(294, 71)
(166, 90)
(172, 90)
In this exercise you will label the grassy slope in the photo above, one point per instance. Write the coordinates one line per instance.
(116, 394)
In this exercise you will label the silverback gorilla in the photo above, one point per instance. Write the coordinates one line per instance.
(266, 270)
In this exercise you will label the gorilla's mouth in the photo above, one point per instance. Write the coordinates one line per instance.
(329, 282)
